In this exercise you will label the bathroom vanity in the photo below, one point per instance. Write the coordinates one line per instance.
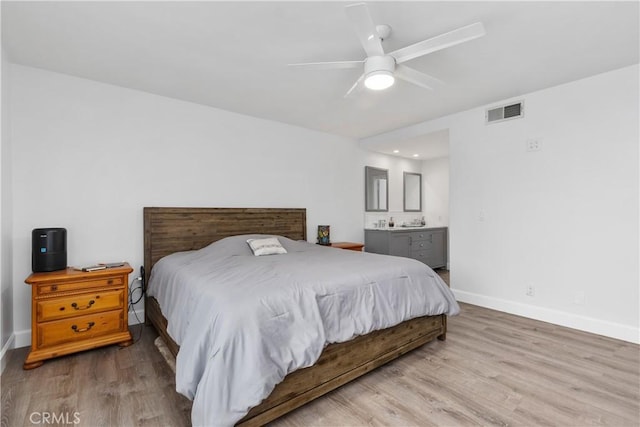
(426, 244)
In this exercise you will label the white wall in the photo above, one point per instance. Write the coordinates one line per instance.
(563, 219)
(6, 247)
(89, 156)
(435, 176)
(435, 199)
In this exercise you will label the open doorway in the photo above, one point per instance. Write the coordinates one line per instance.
(431, 150)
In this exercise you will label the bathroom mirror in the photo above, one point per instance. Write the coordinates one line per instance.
(376, 189)
(412, 192)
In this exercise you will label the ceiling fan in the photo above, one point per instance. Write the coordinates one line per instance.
(380, 68)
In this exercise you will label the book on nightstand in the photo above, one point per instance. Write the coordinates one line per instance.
(101, 266)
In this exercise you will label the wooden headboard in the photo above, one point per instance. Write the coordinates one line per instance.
(169, 230)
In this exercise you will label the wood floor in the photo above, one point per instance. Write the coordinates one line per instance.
(493, 369)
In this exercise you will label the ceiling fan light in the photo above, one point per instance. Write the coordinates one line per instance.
(379, 80)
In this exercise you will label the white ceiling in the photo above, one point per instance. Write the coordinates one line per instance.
(234, 55)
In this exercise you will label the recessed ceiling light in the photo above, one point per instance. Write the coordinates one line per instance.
(396, 151)
(415, 155)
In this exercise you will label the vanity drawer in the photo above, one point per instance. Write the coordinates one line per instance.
(421, 245)
(77, 305)
(422, 256)
(417, 236)
(83, 285)
(431, 258)
(79, 328)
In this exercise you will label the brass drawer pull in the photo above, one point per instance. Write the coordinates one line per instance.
(54, 287)
(89, 326)
(74, 305)
(110, 282)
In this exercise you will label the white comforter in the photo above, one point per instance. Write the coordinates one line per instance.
(244, 322)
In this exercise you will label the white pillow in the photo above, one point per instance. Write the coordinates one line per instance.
(268, 246)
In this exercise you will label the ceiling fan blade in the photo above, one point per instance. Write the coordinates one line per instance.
(355, 85)
(329, 65)
(440, 42)
(416, 77)
(365, 29)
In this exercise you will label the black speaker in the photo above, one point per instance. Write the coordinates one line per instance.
(48, 249)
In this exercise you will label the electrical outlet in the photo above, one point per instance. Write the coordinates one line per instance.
(530, 290)
(534, 144)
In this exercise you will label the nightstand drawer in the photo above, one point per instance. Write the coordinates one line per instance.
(79, 328)
(80, 285)
(78, 305)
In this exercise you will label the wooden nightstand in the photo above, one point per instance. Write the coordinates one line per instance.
(74, 310)
(348, 245)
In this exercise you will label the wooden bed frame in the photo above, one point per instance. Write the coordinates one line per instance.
(169, 230)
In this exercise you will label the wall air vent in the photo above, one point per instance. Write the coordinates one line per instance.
(505, 112)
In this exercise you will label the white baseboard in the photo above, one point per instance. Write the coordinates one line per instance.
(23, 338)
(3, 353)
(561, 318)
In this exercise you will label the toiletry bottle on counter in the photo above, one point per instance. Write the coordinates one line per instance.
(391, 224)
(423, 222)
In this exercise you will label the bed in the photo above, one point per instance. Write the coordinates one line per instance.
(171, 230)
